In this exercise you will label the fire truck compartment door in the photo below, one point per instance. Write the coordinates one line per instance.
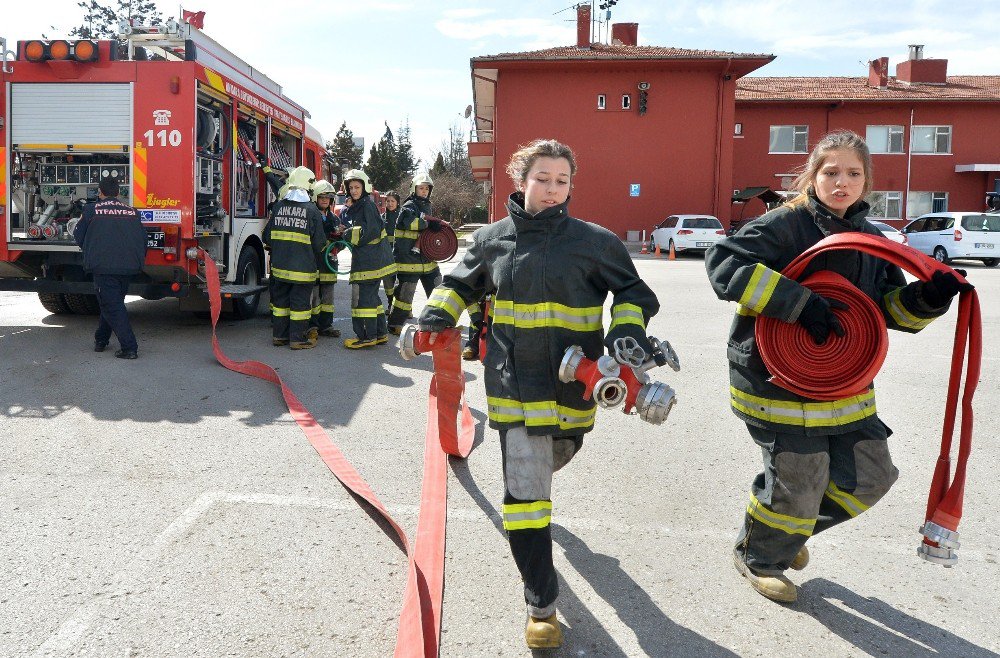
(71, 113)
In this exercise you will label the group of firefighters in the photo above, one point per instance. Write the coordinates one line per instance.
(304, 234)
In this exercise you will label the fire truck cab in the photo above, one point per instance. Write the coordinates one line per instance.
(182, 123)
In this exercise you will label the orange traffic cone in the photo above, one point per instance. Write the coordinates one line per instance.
(657, 253)
(672, 255)
(644, 250)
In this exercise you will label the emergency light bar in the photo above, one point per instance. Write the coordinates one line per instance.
(38, 50)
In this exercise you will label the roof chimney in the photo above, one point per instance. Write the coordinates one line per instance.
(917, 70)
(583, 25)
(878, 72)
(626, 34)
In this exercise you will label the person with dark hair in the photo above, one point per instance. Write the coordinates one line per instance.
(825, 461)
(549, 275)
(113, 241)
(412, 267)
(389, 221)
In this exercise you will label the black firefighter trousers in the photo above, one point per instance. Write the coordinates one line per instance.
(528, 464)
(291, 310)
(810, 484)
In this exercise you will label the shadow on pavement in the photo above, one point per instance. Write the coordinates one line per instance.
(877, 628)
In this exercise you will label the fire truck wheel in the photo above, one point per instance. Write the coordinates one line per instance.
(248, 273)
(54, 303)
(83, 304)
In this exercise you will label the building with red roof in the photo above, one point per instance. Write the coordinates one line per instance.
(933, 137)
(651, 126)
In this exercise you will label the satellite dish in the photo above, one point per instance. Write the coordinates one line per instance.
(468, 111)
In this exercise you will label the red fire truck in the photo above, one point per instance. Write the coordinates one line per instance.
(181, 122)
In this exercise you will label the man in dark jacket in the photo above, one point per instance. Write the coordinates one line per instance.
(113, 241)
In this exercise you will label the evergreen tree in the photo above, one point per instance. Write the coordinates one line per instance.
(382, 168)
(342, 150)
(439, 166)
(406, 162)
(100, 21)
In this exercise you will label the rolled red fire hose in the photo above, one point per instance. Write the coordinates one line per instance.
(846, 365)
(440, 245)
(420, 617)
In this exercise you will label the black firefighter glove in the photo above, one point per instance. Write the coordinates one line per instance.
(433, 226)
(818, 318)
(942, 287)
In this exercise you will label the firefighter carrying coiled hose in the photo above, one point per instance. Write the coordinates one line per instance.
(549, 275)
(826, 455)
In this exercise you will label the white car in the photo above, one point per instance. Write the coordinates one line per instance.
(950, 235)
(893, 234)
(695, 233)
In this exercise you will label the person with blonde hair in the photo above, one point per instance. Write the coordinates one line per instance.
(549, 275)
(825, 462)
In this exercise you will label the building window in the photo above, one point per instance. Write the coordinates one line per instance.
(738, 129)
(921, 203)
(886, 205)
(626, 101)
(884, 139)
(930, 139)
(601, 101)
(789, 139)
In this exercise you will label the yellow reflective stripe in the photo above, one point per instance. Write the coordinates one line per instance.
(547, 314)
(401, 305)
(626, 314)
(793, 525)
(415, 225)
(326, 308)
(526, 516)
(279, 312)
(446, 300)
(743, 310)
(894, 304)
(291, 236)
(353, 235)
(851, 505)
(368, 275)
(300, 315)
(327, 277)
(403, 233)
(804, 414)
(758, 292)
(367, 312)
(538, 414)
(291, 275)
(378, 239)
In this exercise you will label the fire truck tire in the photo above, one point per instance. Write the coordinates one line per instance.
(249, 271)
(83, 304)
(54, 303)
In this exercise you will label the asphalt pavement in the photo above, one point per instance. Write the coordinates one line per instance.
(169, 507)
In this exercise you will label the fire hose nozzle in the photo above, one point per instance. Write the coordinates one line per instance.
(407, 342)
(600, 378)
(654, 402)
(609, 392)
(947, 543)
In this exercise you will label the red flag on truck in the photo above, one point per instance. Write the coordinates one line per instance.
(195, 18)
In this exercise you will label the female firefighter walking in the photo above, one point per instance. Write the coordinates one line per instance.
(370, 262)
(549, 275)
(412, 266)
(824, 462)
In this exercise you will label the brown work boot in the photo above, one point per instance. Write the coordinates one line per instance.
(279, 342)
(307, 344)
(395, 331)
(776, 588)
(543, 633)
(469, 354)
(312, 333)
(330, 332)
(801, 559)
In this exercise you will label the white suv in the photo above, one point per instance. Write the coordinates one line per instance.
(694, 233)
(949, 235)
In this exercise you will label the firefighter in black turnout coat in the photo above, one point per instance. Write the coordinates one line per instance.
(295, 236)
(412, 267)
(549, 275)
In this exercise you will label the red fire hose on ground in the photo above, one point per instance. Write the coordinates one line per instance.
(420, 618)
(845, 366)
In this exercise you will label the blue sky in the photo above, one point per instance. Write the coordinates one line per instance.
(372, 61)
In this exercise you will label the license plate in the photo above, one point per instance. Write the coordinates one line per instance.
(984, 245)
(154, 239)
(703, 244)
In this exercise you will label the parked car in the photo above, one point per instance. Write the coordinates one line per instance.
(890, 232)
(694, 233)
(961, 235)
